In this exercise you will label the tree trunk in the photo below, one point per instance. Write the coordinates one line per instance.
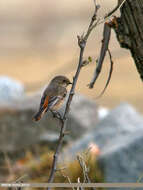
(129, 31)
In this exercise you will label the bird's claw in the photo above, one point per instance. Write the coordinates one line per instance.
(56, 114)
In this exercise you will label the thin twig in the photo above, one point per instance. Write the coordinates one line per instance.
(84, 169)
(68, 178)
(8, 163)
(82, 44)
(105, 42)
(78, 181)
(19, 180)
(118, 6)
(110, 14)
(104, 48)
(109, 76)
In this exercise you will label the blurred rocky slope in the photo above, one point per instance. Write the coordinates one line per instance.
(119, 137)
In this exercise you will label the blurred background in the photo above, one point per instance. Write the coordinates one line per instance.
(39, 40)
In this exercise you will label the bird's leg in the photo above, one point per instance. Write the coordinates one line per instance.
(56, 114)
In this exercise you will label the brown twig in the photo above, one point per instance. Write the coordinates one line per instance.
(84, 169)
(19, 180)
(79, 188)
(82, 44)
(109, 76)
(68, 178)
(9, 164)
(118, 6)
(104, 48)
(110, 14)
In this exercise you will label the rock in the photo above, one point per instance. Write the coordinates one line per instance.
(120, 121)
(121, 160)
(84, 111)
(10, 89)
(17, 130)
(102, 112)
(120, 138)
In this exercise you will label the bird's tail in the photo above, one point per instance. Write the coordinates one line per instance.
(38, 115)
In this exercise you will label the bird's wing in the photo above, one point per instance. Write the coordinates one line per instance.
(44, 102)
(54, 100)
(48, 101)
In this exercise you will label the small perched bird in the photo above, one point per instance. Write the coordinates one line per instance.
(53, 96)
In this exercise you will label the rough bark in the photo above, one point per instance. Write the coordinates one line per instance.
(129, 30)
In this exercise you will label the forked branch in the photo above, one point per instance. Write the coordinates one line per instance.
(82, 40)
(104, 48)
(82, 44)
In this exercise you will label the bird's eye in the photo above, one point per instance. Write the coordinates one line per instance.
(64, 81)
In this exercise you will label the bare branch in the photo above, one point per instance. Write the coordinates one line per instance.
(78, 181)
(104, 48)
(115, 9)
(110, 74)
(66, 176)
(110, 14)
(19, 180)
(8, 163)
(96, 7)
(84, 169)
(82, 44)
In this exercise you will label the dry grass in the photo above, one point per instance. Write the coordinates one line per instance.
(36, 167)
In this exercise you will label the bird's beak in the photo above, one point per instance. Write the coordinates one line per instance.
(70, 82)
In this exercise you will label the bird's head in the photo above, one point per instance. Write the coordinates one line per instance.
(61, 80)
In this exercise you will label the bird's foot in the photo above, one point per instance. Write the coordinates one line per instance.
(56, 114)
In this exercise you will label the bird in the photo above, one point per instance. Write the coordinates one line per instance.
(53, 96)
